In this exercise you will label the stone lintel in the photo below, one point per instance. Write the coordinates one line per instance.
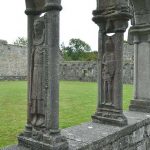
(140, 105)
(95, 136)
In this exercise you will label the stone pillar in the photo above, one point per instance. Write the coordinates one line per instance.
(111, 17)
(28, 130)
(139, 34)
(53, 57)
(42, 129)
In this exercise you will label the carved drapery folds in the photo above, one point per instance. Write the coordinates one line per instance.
(38, 80)
(112, 17)
(108, 71)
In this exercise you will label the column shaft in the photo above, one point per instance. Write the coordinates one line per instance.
(53, 66)
(135, 67)
(29, 48)
(99, 67)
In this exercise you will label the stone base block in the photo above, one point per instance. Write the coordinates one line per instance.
(110, 116)
(55, 142)
(140, 105)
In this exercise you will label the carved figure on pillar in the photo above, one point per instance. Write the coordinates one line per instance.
(108, 71)
(112, 17)
(42, 129)
(37, 80)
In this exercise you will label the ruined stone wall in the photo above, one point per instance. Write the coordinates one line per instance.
(13, 61)
(13, 65)
(87, 70)
(128, 63)
(78, 70)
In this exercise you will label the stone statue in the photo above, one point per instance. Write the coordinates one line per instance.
(108, 71)
(37, 95)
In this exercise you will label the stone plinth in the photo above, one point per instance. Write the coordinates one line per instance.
(94, 136)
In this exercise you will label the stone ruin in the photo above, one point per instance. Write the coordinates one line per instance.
(13, 65)
(13, 61)
(111, 128)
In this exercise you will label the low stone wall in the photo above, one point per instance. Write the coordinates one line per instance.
(94, 136)
(87, 71)
(11, 78)
(78, 70)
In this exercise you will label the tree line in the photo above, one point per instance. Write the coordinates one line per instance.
(76, 50)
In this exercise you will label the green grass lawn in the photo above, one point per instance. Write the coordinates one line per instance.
(77, 104)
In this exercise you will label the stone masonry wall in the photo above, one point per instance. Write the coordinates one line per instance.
(13, 61)
(13, 65)
(87, 70)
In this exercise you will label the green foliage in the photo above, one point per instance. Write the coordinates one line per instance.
(21, 41)
(90, 56)
(77, 50)
(75, 98)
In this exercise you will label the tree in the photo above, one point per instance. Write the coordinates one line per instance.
(21, 41)
(75, 50)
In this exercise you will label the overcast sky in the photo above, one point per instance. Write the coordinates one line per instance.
(75, 21)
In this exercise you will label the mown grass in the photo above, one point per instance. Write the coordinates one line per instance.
(77, 103)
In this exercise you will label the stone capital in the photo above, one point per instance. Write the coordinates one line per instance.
(113, 14)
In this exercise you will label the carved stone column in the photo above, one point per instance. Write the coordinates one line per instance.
(42, 129)
(139, 35)
(111, 17)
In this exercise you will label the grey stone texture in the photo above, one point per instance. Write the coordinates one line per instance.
(111, 17)
(42, 129)
(13, 61)
(78, 70)
(139, 35)
(93, 136)
(13, 65)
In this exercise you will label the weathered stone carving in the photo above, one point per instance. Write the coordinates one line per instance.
(111, 17)
(42, 129)
(108, 71)
(37, 77)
